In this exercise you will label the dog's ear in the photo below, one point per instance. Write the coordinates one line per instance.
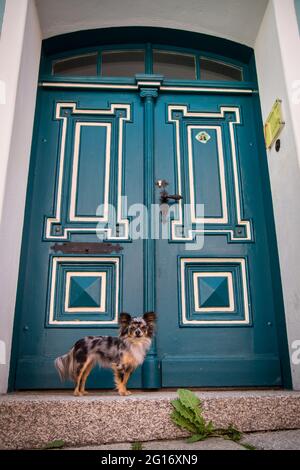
(150, 319)
(124, 320)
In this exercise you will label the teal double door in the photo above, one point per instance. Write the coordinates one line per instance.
(101, 151)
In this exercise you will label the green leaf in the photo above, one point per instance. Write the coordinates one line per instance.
(136, 446)
(198, 419)
(196, 438)
(233, 433)
(56, 444)
(248, 446)
(229, 433)
(188, 399)
(182, 422)
(185, 412)
(210, 427)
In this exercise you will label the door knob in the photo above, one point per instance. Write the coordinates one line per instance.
(161, 183)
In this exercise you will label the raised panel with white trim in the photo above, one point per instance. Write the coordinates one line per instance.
(202, 162)
(214, 291)
(83, 291)
(89, 172)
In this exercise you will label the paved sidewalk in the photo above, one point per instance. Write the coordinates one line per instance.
(213, 443)
(278, 440)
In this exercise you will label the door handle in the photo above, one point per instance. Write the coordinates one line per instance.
(165, 197)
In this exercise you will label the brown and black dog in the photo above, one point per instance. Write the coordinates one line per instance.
(122, 354)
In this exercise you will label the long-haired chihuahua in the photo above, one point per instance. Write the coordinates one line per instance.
(123, 354)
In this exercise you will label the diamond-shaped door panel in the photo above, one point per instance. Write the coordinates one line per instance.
(214, 291)
(84, 290)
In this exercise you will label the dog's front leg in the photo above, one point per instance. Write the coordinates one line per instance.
(127, 373)
(118, 376)
(121, 376)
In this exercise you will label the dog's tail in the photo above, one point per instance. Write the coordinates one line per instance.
(65, 366)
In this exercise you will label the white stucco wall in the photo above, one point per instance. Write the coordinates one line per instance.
(237, 20)
(277, 51)
(20, 45)
(276, 46)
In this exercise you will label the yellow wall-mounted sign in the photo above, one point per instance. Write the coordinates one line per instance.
(274, 124)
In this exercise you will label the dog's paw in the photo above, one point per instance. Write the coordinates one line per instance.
(124, 393)
(77, 393)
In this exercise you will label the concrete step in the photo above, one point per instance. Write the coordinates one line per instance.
(32, 420)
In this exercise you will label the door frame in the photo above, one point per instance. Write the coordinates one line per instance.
(175, 40)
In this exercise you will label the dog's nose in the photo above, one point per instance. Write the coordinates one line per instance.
(138, 333)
